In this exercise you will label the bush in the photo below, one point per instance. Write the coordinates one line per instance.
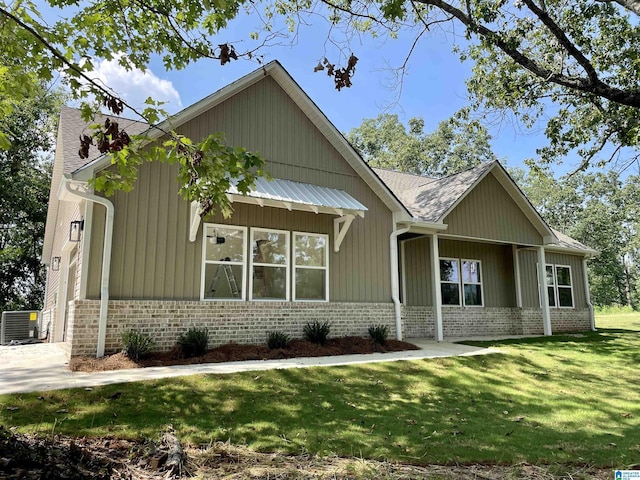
(277, 340)
(379, 333)
(194, 342)
(317, 332)
(136, 345)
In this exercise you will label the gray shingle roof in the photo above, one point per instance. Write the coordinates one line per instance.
(567, 242)
(72, 126)
(429, 199)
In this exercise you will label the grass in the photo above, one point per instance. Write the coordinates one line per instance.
(561, 400)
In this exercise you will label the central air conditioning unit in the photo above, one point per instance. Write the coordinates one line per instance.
(17, 326)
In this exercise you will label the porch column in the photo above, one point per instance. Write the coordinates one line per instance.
(587, 294)
(544, 293)
(435, 282)
(516, 275)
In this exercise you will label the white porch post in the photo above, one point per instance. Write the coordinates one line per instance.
(516, 274)
(435, 282)
(587, 294)
(544, 293)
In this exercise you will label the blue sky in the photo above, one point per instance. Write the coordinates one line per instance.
(434, 87)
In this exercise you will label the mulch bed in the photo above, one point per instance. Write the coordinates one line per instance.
(234, 352)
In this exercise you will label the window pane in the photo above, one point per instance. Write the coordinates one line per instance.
(470, 272)
(222, 281)
(270, 282)
(224, 244)
(311, 250)
(550, 275)
(310, 284)
(449, 271)
(450, 293)
(564, 297)
(552, 296)
(564, 276)
(269, 247)
(472, 295)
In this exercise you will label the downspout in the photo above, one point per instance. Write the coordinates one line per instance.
(106, 258)
(587, 295)
(395, 281)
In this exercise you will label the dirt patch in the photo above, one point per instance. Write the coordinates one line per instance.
(32, 457)
(234, 352)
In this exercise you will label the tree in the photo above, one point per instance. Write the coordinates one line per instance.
(454, 146)
(599, 210)
(32, 50)
(25, 177)
(573, 64)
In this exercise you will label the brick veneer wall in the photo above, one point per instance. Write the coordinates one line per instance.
(249, 322)
(240, 322)
(461, 322)
(418, 322)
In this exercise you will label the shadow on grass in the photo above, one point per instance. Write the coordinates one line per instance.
(536, 404)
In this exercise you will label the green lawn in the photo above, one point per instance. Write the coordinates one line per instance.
(565, 399)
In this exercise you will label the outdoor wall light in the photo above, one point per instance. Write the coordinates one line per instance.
(55, 264)
(74, 230)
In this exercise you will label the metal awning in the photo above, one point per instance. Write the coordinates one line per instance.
(299, 196)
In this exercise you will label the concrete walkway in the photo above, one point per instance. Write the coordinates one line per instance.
(30, 368)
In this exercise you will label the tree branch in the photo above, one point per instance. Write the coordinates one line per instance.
(557, 32)
(73, 67)
(599, 88)
(631, 5)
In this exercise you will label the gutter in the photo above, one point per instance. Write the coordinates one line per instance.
(68, 186)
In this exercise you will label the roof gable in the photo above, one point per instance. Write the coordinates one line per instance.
(307, 106)
(432, 200)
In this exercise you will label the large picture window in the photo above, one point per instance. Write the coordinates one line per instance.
(223, 271)
(269, 278)
(461, 282)
(559, 286)
(310, 266)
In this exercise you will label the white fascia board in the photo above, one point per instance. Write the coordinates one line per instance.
(573, 251)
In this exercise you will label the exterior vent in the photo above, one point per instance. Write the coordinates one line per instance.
(17, 326)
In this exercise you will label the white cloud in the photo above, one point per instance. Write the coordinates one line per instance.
(135, 86)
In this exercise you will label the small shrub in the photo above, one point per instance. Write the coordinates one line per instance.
(317, 332)
(379, 333)
(194, 342)
(136, 345)
(277, 340)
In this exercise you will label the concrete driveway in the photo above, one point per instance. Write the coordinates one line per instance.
(39, 367)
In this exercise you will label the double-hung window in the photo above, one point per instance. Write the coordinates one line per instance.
(461, 282)
(559, 286)
(310, 266)
(269, 275)
(223, 269)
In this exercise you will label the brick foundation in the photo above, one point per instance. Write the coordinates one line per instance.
(249, 322)
(240, 322)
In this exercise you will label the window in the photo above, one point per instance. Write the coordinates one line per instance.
(234, 258)
(310, 266)
(458, 276)
(559, 286)
(223, 271)
(269, 278)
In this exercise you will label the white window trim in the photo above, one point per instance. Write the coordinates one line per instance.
(457, 260)
(309, 267)
(555, 286)
(204, 263)
(463, 283)
(287, 265)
